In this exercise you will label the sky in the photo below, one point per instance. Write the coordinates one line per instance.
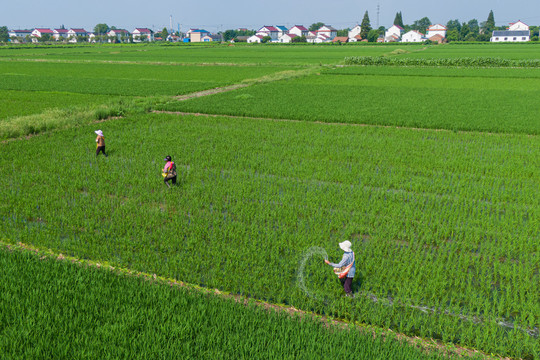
(214, 15)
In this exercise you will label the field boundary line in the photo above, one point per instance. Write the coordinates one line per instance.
(157, 63)
(429, 345)
(183, 113)
(208, 92)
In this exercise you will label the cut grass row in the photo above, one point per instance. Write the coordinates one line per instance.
(52, 309)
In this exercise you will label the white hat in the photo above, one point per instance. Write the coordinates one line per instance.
(99, 132)
(345, 246)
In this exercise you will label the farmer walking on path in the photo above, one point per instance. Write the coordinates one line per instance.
(100, 141)
(346, 268)
(169, 171)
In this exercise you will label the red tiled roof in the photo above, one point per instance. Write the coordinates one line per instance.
(44, 31)
(144, 30)
(340, 39)
(300, 27)
(270, 28)
(61, 31)
(78, 30)
(399, 27)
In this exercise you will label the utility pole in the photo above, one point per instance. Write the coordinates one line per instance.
(170, 24)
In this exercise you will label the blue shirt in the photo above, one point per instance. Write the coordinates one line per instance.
(347, 259)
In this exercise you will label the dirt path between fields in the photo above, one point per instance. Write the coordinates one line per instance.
(217, 90)
(428, 345)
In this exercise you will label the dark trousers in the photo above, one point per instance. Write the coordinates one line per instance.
(173, 178)
(100, 149)
(347, 283)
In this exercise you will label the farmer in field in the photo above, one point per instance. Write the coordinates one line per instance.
(346, 268)
(100, 141)
(169, 171)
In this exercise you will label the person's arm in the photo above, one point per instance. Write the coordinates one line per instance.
(342, 263)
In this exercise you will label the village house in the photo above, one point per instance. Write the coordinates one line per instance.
(340, 39)
(518, 26)
(255, 39)
(393, 33)
(142, 34)
(60, 34)
(413, 36)
(210, 38)
(197, 35)
(354, 33)
(271, 31)
(328, 31)
(19, 36)
(436, 29)
(437, 39)
(287, 38)
(299, 30)
(282, 30)
(118, 35)
(39, 32)
(75, 34)
(517, 32)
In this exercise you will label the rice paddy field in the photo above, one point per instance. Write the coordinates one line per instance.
(282, 152)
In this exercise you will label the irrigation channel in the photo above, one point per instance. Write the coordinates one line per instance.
(321, 252)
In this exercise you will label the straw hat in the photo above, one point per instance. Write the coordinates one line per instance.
(99, 132)
(345, 246)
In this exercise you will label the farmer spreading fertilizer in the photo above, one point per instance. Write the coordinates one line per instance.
(100, 143)
(169, 171)
(346, 268)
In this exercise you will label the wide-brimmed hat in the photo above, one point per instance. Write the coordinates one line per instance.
(345, 246)
(99, 132)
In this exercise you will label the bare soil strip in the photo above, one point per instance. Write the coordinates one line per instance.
(429, 345)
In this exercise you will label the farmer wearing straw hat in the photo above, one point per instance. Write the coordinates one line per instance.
(169, 171)
(100, 141)
(346, 268)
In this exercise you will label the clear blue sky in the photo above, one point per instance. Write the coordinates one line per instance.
(216, 15)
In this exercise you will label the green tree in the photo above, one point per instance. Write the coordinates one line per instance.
(164, 33)
(101, 29)
(421, 25)
(299, 39)
(453, 24)
(344, 32)
(4, 35)
(45, 37)
(473, 25)
(266, 39)
(373, 35)
(228, 35)
(465, 30)
(316, 26)
(470, 37)
(489, 25)
(398, 20)
(452, 35)
(366, 26)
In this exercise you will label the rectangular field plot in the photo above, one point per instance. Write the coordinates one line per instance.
(444, 226)
(123, 79)
(491, 100)
(20, 103)
(237, 54)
